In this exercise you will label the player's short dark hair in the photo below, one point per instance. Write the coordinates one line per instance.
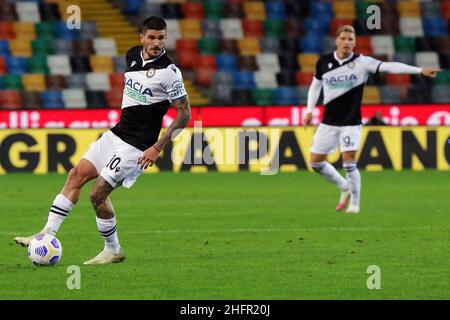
(153, 23)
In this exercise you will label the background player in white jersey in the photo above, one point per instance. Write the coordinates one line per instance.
(342, 75)
(152, 84)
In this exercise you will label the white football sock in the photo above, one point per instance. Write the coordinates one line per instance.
(58, 212)
(107, 229)
(354, 181)
(326, 170)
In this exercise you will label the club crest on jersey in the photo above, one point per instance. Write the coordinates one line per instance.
(150, 72)
(330, 65)
(351, 64)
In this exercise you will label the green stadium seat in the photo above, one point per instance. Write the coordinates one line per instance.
(208, 46)
(13, 82)
(38, 64)
(42, 46)
(443, 78)
(214, 10)
(405, 44)
(262, 96)
(274, 28)
(45, 29)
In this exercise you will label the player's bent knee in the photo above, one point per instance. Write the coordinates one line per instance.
(317, 166)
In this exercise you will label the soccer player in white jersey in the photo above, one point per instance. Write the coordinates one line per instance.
(342, 75)
(153, 83)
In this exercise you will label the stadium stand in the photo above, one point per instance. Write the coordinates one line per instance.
(254, 52)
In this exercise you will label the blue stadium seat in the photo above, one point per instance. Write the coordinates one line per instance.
(286, 96)
(4, 48)
(244, 80)
(324, 10)
(275, 10)
(435, 27)
(2, 83)
(226, 62)
(62, 32)
(52, 99)
(132, 6)
(317, 27)
(16, 65)
(310, 44)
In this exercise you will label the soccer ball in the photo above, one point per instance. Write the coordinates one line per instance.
(44, 250)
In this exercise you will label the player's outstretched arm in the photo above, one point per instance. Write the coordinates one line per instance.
(150, 155)
(397, 67)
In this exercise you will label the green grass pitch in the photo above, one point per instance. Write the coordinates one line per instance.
(238, 236)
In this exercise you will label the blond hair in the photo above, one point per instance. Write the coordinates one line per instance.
(345, 28)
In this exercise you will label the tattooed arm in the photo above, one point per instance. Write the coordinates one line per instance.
(184, 115)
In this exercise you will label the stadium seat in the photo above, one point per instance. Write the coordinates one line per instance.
(243, 80)
(119, 63)
(304, 78)
(275, 10)
(59, 64)
(52, 99)
(252, 28)
(344, 9)
(190, 28)
(440, 94)
(286, 78)
(76, 81)
(244, 96)
(336, 23)
(171, 10)
(211, 29)
(270, 45)
(265, 79)
(24, 30)
(34, 82)
(2, 65)
(286, 96)
(293, 28)
(274, 28)
(105, 46)
(28, 11)
(268, 62)
(383, 44)
(16, 65)
(222, 78)
(254, 10)
(398, 79)
(309, 44)
(101, 64)
(371, 95)
(231, 28)
(411, 27)
(10, 99)
(46, 29)
(8, 12)
(63, 46)
(74, 98)
(4, 48)
(302, 94)
(297, 9)
(247, 63)
(173, 28)
(13, 81)
(31, 100)
(288, 61)
(49, 11)
(214, 10)
(98, 81)
(193, 10)
(6, 30)
(222, 94)
(262, 96)
(408, 8)
(444, 60)
(96, 99)
(208, 46)
(62, 32)
(116, 80)
(149, 8)
(187, 52)
(226, 62)
(443, 77)
(430, 9)
(315, 26)
(234, 10)
(364, 45)
(445, 9)
(20, 47)
(80, 64)
(404, 44)
(390, 94)
(83, 47)
(249, 46)
(427, 60)
(55, 81)
(42, 46)
(88, 30)
(308, 61)
(114, 98)
(435, 27)
(418, 95)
